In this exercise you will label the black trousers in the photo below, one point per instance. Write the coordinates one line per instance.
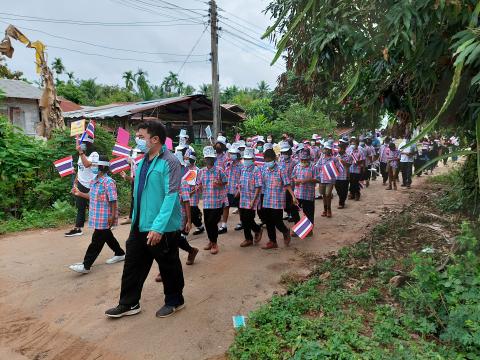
(355, 183)
(308, 207)
(383, 171)
(183, 243)
(274, 220)
(367, 174)
(196, 216)
(342, 190)
(212, 217)
(138, 262)
(406, 169)
(261, 212)
(81, 205)
(247, 217)
(131, 202)
(99, 238)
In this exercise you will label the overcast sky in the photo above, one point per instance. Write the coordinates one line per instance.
(241, 63)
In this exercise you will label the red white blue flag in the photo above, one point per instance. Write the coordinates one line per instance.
(121, 150)
(119, 164)
(138, 159)
(65, 166)
(330, 171)
(89, 131)
(335, 147)
(259, 160)
(303, 227)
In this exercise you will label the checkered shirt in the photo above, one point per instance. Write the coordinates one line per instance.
(344, 173)
(370, 154)
(233, 172)
(184, 197)
(250, 180)
(273, 183)
(324, 160)
(288, 166)
(195, 197)
(393, 158)
(315, 153)
(103, 191)
(384, 150)
(360, 155)
(214, 197)
(222, 160)
(304, 191)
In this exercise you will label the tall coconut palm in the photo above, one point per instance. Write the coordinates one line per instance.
(57, 66)
(129, 78)
(263, 89)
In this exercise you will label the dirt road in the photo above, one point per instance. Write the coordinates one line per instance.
(49, 312)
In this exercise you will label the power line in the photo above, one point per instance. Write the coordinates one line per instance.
(195, 11)
(248, 41)
(193, 49)
(259, 34)
(239, 18)
(258, 40)
(105, 46)
(125, 59)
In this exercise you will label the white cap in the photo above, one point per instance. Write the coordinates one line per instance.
(327, 145)
(285, 146)
(209, 152)
(260, 138)
(234, 149)
(222, 140)
(267, 146)
(299, 147)
(183, 134)
(249, 153)
(241, 143)
(314, 136)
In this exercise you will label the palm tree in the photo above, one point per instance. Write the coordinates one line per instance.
(206, 89)
(70, 75)
(171, 83)
(188, 90)
(263, 88)
(57, 66)
(143, 87)
(129, 78)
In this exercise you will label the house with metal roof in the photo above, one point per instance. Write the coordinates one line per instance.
(192, 112)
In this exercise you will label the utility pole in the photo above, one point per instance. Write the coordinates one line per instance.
(217, 122)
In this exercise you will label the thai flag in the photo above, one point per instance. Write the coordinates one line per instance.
(65, 166)
(259, 160)
(335, 147)
(354, 157)
(121, 150)
(138, 159)
(91, 129)
(119, 164)
(303, 227)
(330, 171)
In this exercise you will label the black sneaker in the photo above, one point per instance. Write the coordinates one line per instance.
(123, 310)
(168, 310)
(239, 227)
(199, 230)
(222, 230)
(74, 232)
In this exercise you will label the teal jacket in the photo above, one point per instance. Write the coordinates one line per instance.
(160, 205)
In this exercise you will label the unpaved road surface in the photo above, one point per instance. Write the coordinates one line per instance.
(49, 312)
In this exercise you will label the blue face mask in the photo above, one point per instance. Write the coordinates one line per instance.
(247, 162)
(270, 164)
(95, 170)
(141, 145)
(83, 146)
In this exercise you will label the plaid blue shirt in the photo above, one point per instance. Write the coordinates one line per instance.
(360, 155)
(344, 168)
(214, 197)
(233, 172)
(184, 197)
(370, 154)
(103, 191)
(383, 153)
(393, 158)
(221, 161)
(319, 165)
(250, 180)
(288, 166)
(273, 183)
(195, 198)
(304, 191)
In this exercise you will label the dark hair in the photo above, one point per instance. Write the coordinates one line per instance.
(392, 146)
(104, 169)
(154, 128)
(90, 148)
(269, 154)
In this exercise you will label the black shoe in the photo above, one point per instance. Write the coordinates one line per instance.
(199, 230)
(222, 230)
(74, 232)
(239, 227)
(168, 310)
(403, 185)
(123, 310)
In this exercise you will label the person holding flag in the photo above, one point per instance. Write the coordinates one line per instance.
(221, 162)
(328, 172)
(356, 169)
(287, 164)
(85, 175)
(190, 160)
(103, 214)
(233, 171)
(341, 182)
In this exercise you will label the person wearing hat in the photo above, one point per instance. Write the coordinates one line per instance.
(287, 163)
(102, 215)
(274, 184)
(190, 160)
(249, 189)
(305, 177)
(314, 149)
(356, 169)
(369, 159)
(393, 166)
(83, 179)
(341, 182)
(327, 183)
(233, 171)
(259, 144)
(220, 149)
(211, 182)
(382, 157)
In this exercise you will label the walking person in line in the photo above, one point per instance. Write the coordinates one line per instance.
(87, 156)
(326, 184)
(341, 183)
(103, 214)
(383, 153)
(221, 162)
(191, 159)
(407, 154)
(156, 226)
(356, 169)
(392, 166)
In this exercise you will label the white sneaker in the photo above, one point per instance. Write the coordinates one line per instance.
(115, 259)
(79, 268)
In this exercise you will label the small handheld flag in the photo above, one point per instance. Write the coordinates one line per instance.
(190, 177)
(121, 150)
(208, 131)
(259, 160)
(330, 171)
(123, 136)
(138, 159)
(65, 166)
(90, 131)
(119, 164)
(354, 157)
(303, 227)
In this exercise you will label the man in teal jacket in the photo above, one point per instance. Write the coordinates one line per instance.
(155, 228)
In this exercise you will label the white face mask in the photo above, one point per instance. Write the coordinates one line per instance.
(269, 140)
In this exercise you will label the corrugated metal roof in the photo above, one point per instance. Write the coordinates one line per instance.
(20, 89)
